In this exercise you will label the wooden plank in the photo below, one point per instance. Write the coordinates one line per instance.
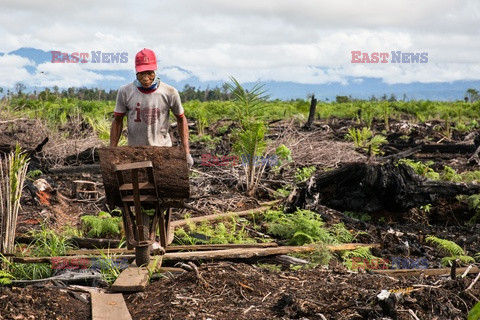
(398, 273)
(64, 258)
(107, 306)
(142, 197)
(243, 253)
(141, 186)
(176, 248)
(219, 216)
(217, 254)
(133, 165)
(132, 279)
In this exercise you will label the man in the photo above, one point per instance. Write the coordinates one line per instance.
(146, 102)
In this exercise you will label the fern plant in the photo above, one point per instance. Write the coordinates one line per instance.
(5, 277)
(363, 253)
(450, 248)
(299, 228)
(102, 225)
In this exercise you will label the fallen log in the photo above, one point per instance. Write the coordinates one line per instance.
(177, 248)
(364, 187)
(237, 253)
(265, 206)
(457, 148)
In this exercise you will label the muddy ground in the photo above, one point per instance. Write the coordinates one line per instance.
(244, 289)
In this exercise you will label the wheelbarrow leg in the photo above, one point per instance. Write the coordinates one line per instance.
(164, 226)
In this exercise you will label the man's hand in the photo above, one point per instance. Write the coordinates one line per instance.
(189, 160)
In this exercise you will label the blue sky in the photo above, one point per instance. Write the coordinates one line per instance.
(294, 47)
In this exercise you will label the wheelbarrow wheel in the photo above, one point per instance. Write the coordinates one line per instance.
(142, 255)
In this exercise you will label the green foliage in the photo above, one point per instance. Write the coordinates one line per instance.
(449, 174)
(340, 233)
(473, 202)
(5, 277)
(450, 248)
(446, 246)
(232, 230)
(34, 174)
(283, 192)
(200, 114)
(358, 215)
(362, 252)
(365, 139)
(386, 114)
(426, 208)
(47, 244)
(421, 168)
(27, 271)
(299, 228)
(283, 153)
(109, 267)
(303, 174)
(102, 225)
(463, 260)
(474, 314)
(210, 142)
(248, 105)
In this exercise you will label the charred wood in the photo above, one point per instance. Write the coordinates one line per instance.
(371, 188)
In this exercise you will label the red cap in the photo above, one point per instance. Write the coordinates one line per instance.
(145, 61)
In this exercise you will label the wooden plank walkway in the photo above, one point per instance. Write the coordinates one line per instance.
(134, 279)
(107, 306)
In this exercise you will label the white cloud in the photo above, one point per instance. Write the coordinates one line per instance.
(66, 75)
(12, 70)
(306, 41)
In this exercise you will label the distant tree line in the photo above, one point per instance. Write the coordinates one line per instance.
(471, 95)
(188, 93)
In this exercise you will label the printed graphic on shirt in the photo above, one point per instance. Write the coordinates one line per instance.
(150, 115)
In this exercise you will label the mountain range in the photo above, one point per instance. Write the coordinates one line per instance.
(362, 88)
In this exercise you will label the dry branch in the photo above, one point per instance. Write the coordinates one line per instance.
(265, 206)
(417, 272)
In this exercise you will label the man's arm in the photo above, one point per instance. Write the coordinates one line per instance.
(116, 130)
(182, 128)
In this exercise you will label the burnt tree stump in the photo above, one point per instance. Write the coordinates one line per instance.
(373, 188)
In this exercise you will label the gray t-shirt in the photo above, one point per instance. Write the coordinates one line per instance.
(148, 113)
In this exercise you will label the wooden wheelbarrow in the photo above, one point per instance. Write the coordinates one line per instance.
(145, 183)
